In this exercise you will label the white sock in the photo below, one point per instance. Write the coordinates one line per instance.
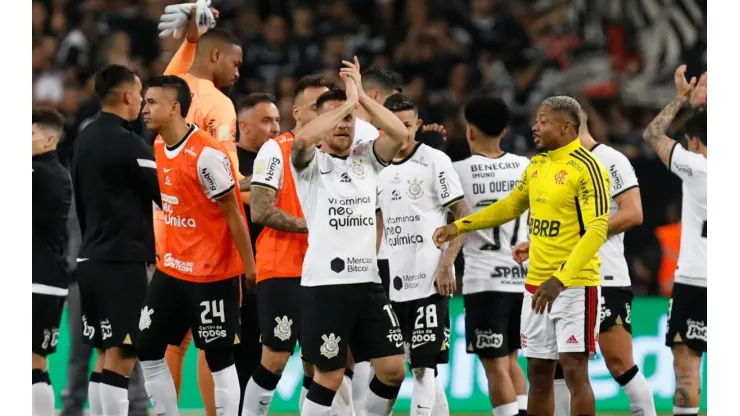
(314, 409)
(360, 381)
(441, 407)
(562, 398)
(376, 405)
(258, 394)
(508, 409)
(160, 387)
(226, 391)
(522, 400)
(685, 410)
(93, 396)
(114, 393)
(641, 395)
(424, 392)
(42, 399)
(343, 403)
(304, 392)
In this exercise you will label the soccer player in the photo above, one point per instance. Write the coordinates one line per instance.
(687, 313)
(615, 332)
(342, 296)
(115, 181)
(415, 193)
(209, 63)
(493, 284)
(206, 250)
(52, 196)
(564, 187)
(280, 251)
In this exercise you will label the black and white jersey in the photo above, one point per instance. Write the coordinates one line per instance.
(338, 199)
(614, 270)
(413, 196)
(692, 259)
(52, 196)
(489, 265)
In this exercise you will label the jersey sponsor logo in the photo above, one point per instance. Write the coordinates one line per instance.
(344, 215)
(419, 339)
(179, 265)
(420, 161)
(330, 347)
(283, 327)
(51, 338)
(210, 182)
(358, 169)
(534, 174)
(272, 167)
(191, 151)
(395, 336)
(210, 333)
(543, 228)
(167, 181)
(172, 200)
(575, 165)
(87, 330)
(408, 281)
(176, 220)
(345, 177)
(560, 177)
(686, 169)
(395, 236)
(488, 339)
(444, 187)
(494, 187)
(415, 191)
(508, 273)
(351, 264)
(395, 195)
(105, 329)
(207, 330)
(616, 178)
(696, 330)
(488, 170)
(396, 179)
(145, 319)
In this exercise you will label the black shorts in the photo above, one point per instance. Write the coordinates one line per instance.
(111, 295)
(355, 315)
(425, 326)
(46, 313)
(384, 271)
(687, 317)
(492, 323)
(279, 311)
(172, 306)
(616, 308)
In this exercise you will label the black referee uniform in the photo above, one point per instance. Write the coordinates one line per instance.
(52, 196)
(115, 181)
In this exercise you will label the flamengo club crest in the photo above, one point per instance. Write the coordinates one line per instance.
(415, 190)
(358, 169)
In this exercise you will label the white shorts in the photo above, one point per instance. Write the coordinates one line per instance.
(572, 326)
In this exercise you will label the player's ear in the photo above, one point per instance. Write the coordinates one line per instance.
(127, 97)
(215, 55)
(419, 122)
(504, 132)
(243, 125)
(294, 112)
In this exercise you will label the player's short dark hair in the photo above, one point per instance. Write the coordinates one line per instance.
(331, 95)
(490, 115)
(384, 80)
(399, 102)
(47, 117)
(173, 82)
(110, 77)
(310, 81)
(251, 100)
(696, 126)
(222, 35)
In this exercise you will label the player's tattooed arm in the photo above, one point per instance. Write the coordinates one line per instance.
(245, 184)
(458, 210)
(265, 212)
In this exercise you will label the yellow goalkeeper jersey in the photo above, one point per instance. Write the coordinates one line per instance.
(567, 194)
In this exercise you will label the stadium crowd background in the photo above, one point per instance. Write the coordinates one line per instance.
(616, 56)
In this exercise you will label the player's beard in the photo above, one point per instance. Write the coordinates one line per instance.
(338, 144)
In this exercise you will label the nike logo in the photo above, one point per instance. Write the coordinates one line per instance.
(417, 345)
(324, 173)
(422, 407)
(264, 404)
(207, 340)
(167, 170)
(79, 260)
(399, 344)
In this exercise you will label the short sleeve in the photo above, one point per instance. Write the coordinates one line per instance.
(687, 165)
(268, 166)
(367, 149)
(622, 174)
(214, 171)
(446, 181)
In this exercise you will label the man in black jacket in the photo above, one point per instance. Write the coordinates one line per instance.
(52, 194)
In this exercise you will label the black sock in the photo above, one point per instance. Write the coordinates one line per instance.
(307, 381)
(522, 412)
(349, 373)
(383, 390)
(320, 395)
(265, 378)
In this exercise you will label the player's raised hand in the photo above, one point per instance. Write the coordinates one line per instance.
(444, 280)
(683, 87)
(352, 70)
(699, 95)
(350, 88)
(434, 127)
(546, 294)
(520, 254)
(444, 234)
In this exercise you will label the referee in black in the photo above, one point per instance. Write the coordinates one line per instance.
(115, 181)
(52, 196)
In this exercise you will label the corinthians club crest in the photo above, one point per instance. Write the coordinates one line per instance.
(415, 190)
(358, 169)
(330, 347)
(282, 328)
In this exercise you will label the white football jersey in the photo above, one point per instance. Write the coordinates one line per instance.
(692, 259)
(366, 131)
(489, 265)
(614, 270)
(338, 198)
(413, 196)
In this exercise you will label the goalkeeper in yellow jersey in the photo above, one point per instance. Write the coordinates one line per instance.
(566, 190)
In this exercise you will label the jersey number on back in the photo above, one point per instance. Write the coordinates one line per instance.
(497, 231)
(704, 230)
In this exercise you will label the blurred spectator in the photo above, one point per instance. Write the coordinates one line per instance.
(616, 57)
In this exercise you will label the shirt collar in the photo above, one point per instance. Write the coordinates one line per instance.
(565, 150)
(50, 155)
(116, 119)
